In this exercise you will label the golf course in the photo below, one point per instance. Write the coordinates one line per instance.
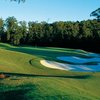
(48, 73)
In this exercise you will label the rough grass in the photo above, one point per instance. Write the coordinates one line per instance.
(29, 80)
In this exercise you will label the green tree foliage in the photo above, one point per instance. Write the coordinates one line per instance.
(84, 34)
(1, 28)
(18, 0)
(96, 14)
(23, 31)
(11, 26)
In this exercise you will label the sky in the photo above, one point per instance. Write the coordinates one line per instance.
(49, 10)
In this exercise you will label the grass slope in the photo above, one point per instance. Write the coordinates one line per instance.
(29, 80)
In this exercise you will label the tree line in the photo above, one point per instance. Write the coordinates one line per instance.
(81, 35)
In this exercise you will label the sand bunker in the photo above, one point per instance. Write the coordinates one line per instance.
(76, 63)
(62, 66)
(55, 65)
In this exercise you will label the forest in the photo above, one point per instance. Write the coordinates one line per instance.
(80, 34)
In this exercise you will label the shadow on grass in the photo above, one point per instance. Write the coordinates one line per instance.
(17, 94)
(52, 76)
(13, 95)
(41, 52)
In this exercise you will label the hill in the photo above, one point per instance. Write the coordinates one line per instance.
(29, 80)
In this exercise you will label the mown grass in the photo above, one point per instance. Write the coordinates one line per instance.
(42, 88)
(29, 80)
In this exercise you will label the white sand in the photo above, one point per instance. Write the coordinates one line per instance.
(55, 65)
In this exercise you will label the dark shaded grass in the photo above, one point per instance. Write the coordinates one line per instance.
(40, 51)
(13, 95)
(17, 94)
(23, 94)
(55, 76)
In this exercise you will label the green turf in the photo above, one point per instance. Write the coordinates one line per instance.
(29, 80)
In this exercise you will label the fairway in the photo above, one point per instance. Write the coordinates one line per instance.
(28, 79)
